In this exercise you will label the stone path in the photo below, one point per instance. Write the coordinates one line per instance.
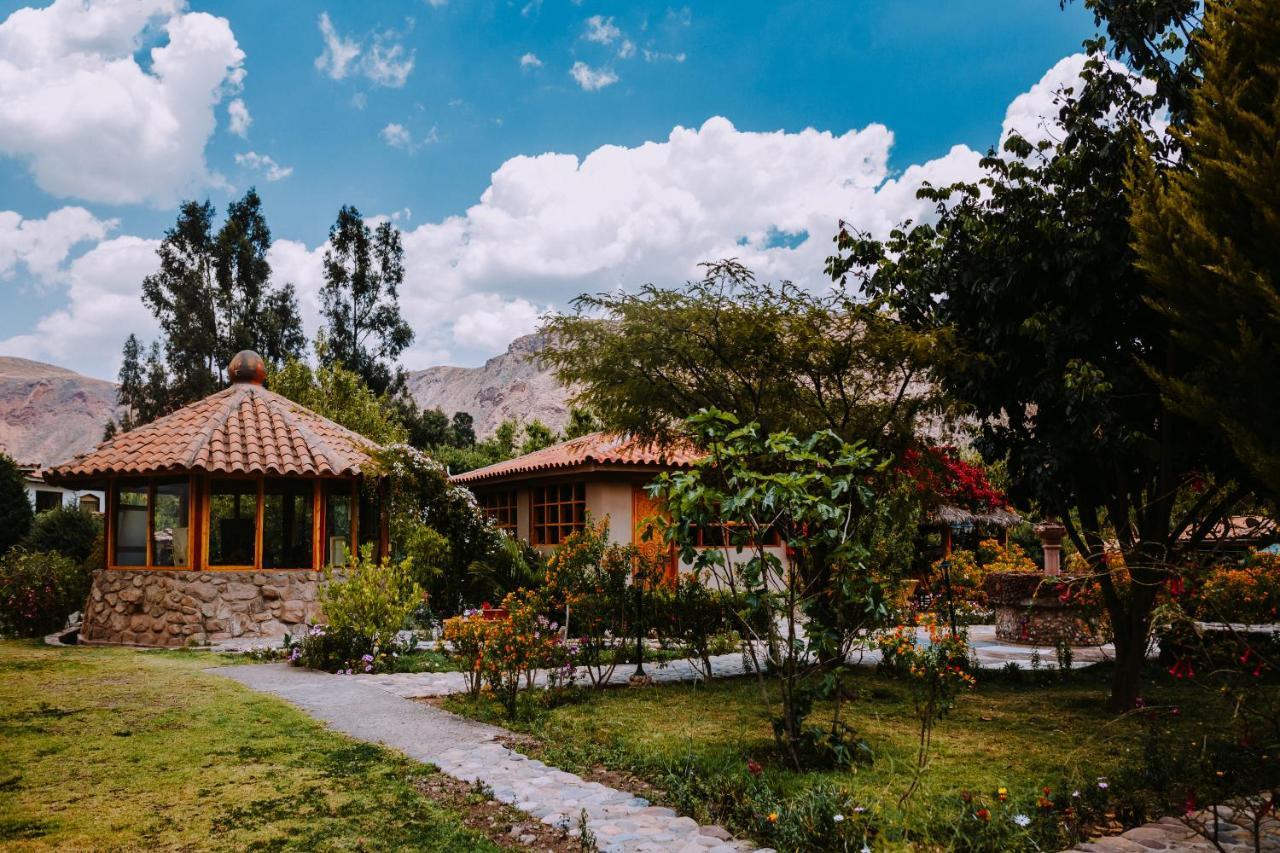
(1172, 834)
(991, 653)
(468, 750)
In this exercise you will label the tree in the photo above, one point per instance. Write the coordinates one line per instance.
(581, 422)
(253, 315)
(339, 395)
(15, 508)
(427, 428)
(537, 435)
(773, 354)
(212, 298)
(69, 531)
(462, 430)
(363, 270)
(1032, 277)
(1206, 230)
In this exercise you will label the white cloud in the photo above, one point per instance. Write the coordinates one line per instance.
(396, 135)
(385, 62)
(600, 30)
(238, 118)
(592, 79)
(436, 4)
(270, 169)
(658, 56)
(530, 60)
(42, 245)
(551, 226)
(104, 305)
(90, 121)
(338, 54)
(627, 49)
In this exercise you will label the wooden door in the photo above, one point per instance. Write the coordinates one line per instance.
(644, 510)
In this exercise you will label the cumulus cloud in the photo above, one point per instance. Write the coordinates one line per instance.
(530, 60)
(600, 29)
(592, 79)
(41, 246)
(92, 122)
(238, 118)
(398, 136)
(551, 226)
(270, 169)
(103, 306)
(385, 62)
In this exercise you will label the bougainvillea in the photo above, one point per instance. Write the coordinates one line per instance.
(941, 476)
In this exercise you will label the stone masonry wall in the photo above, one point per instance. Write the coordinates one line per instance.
(179, 608)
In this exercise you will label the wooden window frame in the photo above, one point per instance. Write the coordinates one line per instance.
(503, 507)
(538, 501)
(114, 484)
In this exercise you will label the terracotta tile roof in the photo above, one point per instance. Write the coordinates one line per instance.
(243, 429)
(598, 448)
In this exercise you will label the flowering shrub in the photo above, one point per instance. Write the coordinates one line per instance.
(343, 651)
(517, 646)
(936, 671)
(995, 557)
(1249, 593)
(371, 599)
(941, 476)
(468, 635)
(589, 578)
(38, 591)
(968, 572)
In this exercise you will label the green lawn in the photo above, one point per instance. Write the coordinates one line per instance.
(114, 749)
(1019, 736)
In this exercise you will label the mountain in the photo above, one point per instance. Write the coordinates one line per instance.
(49, 414)
(511, 385)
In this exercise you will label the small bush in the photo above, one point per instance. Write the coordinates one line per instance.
(344, 650)
(1240, 594)
(69, 531)
(468, 635)
(38, 591)
(373, 600)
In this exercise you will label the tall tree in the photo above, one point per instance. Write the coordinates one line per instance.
(183, 295)
(1207, 229)
(462, 430)
(581, 422)
(363, 271)
(253, 314)
(776, 355)
(1032, 276)
(213, 297)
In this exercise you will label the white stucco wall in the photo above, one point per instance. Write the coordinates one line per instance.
(70, 497)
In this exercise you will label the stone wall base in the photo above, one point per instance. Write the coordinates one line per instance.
(162, 608)
(1042, 625)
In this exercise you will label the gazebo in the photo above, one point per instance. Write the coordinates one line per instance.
(220, 515)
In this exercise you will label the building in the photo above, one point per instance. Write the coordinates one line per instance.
(545, 496)
(45, 496)
(220, 515)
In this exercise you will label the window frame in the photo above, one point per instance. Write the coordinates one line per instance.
(499, 502)
(111, 532)
(538, 501)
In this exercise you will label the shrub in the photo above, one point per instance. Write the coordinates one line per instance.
(519, 645)
(15, 508)
(588, 577)
(1243, 594)
(38, 591)
(371, 599)
(70, 531)
(468, 635)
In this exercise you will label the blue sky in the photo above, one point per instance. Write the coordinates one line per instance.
(408, 109)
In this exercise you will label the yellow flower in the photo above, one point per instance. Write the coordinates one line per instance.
(773, 817)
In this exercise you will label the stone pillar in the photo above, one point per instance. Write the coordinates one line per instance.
(1051, 534)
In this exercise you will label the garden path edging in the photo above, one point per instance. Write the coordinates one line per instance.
(468, 750)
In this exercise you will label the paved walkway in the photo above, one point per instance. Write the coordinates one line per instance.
(467, 750)
(991, 653)
(1173, 835)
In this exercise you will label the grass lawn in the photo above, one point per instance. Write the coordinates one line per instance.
(1019, 736)
(111, 749)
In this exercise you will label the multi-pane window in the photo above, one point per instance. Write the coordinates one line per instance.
(501, 507)
(47, 500)
(233, 522)
(338, 498)
(152, 523)
(170, 542)
(286, 524)
(132, 507)
(557, 512)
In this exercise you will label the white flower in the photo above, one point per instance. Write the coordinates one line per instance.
(866, 849)
(838, 818)
(1021, 819)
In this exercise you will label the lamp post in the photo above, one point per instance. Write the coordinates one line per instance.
(639, 675)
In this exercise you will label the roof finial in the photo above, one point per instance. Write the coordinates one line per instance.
(247, 366)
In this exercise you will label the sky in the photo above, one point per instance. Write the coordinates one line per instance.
(529, 151)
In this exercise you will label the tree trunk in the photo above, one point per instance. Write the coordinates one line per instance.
(1131, 655)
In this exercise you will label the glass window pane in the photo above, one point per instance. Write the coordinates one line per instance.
(169, 541)
(286, 524)
(369, 519)
(233, 522)
(131, 525)
(337, 522)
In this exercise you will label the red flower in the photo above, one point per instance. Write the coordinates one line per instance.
(754, 768)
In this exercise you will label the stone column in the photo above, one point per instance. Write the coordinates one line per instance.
(1051, 534)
